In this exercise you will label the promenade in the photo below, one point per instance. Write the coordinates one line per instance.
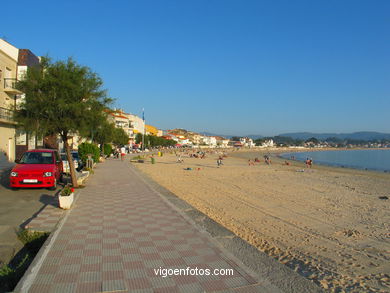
(119, 233)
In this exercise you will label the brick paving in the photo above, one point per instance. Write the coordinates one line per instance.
(47, 219)
(119, 231)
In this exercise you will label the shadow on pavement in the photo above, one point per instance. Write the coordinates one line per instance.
(4, 178)
(46, 199)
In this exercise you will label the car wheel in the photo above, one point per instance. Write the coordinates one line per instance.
(61, 179)
(54, 187)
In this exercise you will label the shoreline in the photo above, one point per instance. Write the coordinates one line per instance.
(321, 223)
(276, 153)
(336, 165)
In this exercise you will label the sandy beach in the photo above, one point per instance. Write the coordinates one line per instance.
(328, 224)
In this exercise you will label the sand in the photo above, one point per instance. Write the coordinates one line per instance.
(328, 224)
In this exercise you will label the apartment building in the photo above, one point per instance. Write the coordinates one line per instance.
(130, 123)
(8, 95)
(151, 130)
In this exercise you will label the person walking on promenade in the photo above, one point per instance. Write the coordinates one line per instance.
(123, 153)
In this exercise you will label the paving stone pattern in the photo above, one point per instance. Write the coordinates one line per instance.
(119, 231)
(47, 219)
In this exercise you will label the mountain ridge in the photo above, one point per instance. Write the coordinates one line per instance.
(359, 135)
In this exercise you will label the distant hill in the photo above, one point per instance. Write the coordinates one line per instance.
(214, 134)
(362, 135)
(254, 136)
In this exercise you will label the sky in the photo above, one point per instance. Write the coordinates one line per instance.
(222, 66)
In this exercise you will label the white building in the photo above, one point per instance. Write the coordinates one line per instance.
(247, 142)
(268, 143)
(130, 123)
(211, 141)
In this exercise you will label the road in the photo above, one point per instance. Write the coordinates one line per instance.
(17, 207)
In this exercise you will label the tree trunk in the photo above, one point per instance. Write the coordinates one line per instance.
(70, 161)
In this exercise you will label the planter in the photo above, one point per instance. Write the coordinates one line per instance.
(66, 201)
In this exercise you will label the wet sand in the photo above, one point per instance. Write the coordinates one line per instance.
(326, 223)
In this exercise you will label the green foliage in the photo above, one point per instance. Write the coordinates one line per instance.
(67, 190)
(33, 240)
(61, 97)
(313, 140)
(103, 132)
(138, 138)
(5, 270)
(107, 149)
(154, 141)
(88, 148)
(10, 274)
(120, 137)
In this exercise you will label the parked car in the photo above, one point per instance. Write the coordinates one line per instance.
(37, 168)
(78, 164)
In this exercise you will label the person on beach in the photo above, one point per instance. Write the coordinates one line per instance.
(309, 162)
(219, 161)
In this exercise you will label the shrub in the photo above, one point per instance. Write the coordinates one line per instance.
(107, 149)
(67, 190)
(10, 274)
(88, 148)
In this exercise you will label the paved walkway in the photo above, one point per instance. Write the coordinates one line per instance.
(118, 233)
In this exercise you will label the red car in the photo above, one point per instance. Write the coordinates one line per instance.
(37, 168)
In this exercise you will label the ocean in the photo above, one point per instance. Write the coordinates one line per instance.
(372, 159)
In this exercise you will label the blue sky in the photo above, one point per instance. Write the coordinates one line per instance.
(227, 67)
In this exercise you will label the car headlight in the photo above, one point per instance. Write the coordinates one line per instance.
(14, 174)
(47, 174)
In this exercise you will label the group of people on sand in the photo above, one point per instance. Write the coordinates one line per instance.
(199, 154)
(267, 161)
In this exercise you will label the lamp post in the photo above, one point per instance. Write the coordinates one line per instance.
(143, 135)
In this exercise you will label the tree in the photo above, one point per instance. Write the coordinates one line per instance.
(120, 137)
(103, 133)
(138, 138)
(312, 140)
(61, 98)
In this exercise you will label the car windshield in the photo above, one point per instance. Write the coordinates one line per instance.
(37, 158)
(64, 157)
(75, 156)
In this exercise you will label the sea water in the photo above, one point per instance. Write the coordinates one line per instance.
(372, 159)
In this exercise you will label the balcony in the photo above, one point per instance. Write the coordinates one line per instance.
(10, 86)
(7, 115)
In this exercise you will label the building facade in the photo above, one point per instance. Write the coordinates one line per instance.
(130, 123)
(8, 96)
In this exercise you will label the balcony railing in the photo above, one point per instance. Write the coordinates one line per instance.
(10, 86)
(6, 114)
